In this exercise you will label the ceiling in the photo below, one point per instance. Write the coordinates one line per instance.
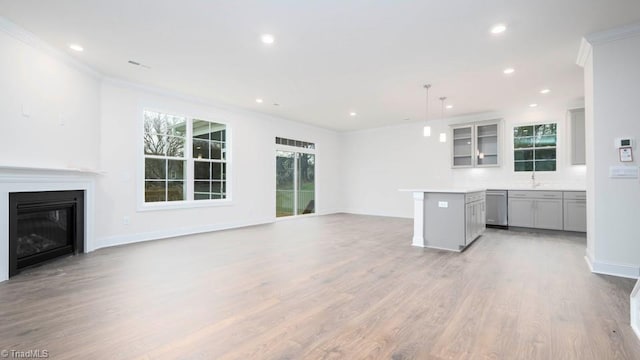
(334, 57)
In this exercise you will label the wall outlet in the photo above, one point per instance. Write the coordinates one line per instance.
(443, 204)
(126, 220)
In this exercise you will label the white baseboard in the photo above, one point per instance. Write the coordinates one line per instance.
(626, 271)
(163, 234)
(635, 309)
(375, 213)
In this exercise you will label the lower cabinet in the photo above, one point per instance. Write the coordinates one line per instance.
(475, 214)
(452, 221)
(553, 210)
(536, 209)
(575, 211)
(521, 212)
(548, 214)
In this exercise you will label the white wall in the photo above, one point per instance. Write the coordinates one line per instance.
(62, 104)
(612, 112)
(253, 167)
(383, 160)
(78, 120)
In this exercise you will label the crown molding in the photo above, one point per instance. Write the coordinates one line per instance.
(602, 37)
(32, 40)
(584, 52)
(196, 100)
(614, 34)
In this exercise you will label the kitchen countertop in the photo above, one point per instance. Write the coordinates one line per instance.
(445, 190)
(508, 188)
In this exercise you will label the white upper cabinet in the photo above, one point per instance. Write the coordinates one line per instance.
(462, 146)
(476, 145)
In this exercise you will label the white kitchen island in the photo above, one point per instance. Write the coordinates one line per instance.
(447, 219)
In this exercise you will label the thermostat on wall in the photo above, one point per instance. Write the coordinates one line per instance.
(624, 142)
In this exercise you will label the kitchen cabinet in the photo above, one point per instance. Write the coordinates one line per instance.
(487, 145)
(521, 212)
(548, 214)
(447, 219)
(475, 214)
(536, 209)
(476, 145)
(578, 138)
(462, 146)
(575, 211)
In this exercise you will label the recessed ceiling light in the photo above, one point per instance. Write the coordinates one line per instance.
(353, 113)
(545, 91)
(533, 105)
(76, 47)
(498, 29)
(449, 106)
(259, 101)
(509, 71)
(268, 39)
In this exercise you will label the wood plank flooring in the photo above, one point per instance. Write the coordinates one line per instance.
(329, 287)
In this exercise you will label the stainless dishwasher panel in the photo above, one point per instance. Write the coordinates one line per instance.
(497, 207)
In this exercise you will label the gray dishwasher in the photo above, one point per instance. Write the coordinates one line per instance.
(497, 208)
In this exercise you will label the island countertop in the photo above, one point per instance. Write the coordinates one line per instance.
(445, 190)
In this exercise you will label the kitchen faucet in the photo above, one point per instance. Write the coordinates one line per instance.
(534, 184)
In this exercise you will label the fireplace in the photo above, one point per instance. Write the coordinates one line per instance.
(44, 226)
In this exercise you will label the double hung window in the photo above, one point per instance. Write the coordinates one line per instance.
(185, 159)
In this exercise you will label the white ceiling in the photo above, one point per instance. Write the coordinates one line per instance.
(332, 57)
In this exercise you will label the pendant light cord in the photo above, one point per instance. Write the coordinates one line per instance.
(426, 118)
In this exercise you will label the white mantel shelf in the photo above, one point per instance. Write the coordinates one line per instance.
(18, 168)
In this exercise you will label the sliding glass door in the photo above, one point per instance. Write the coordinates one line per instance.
(295, 183)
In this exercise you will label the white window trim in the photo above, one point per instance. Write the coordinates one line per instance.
(143, 206)
(513, 146)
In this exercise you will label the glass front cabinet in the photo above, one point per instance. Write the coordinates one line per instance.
(476, 145)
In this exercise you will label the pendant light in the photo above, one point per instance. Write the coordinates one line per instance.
(426, 131)
(443, 136)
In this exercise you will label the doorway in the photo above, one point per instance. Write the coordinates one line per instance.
(295, 183)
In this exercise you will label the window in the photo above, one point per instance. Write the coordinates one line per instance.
(535, 147)
(184, 159)
(209, 153)
(296, 143)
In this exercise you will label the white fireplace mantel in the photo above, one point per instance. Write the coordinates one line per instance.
(23, 178)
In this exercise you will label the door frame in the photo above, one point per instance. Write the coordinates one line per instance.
(295, 149)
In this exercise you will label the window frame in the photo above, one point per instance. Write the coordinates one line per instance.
(189, 177)
(534, 148)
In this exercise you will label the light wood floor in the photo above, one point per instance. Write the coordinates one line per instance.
(330, 287)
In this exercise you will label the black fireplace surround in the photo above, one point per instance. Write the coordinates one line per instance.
(43, 226)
